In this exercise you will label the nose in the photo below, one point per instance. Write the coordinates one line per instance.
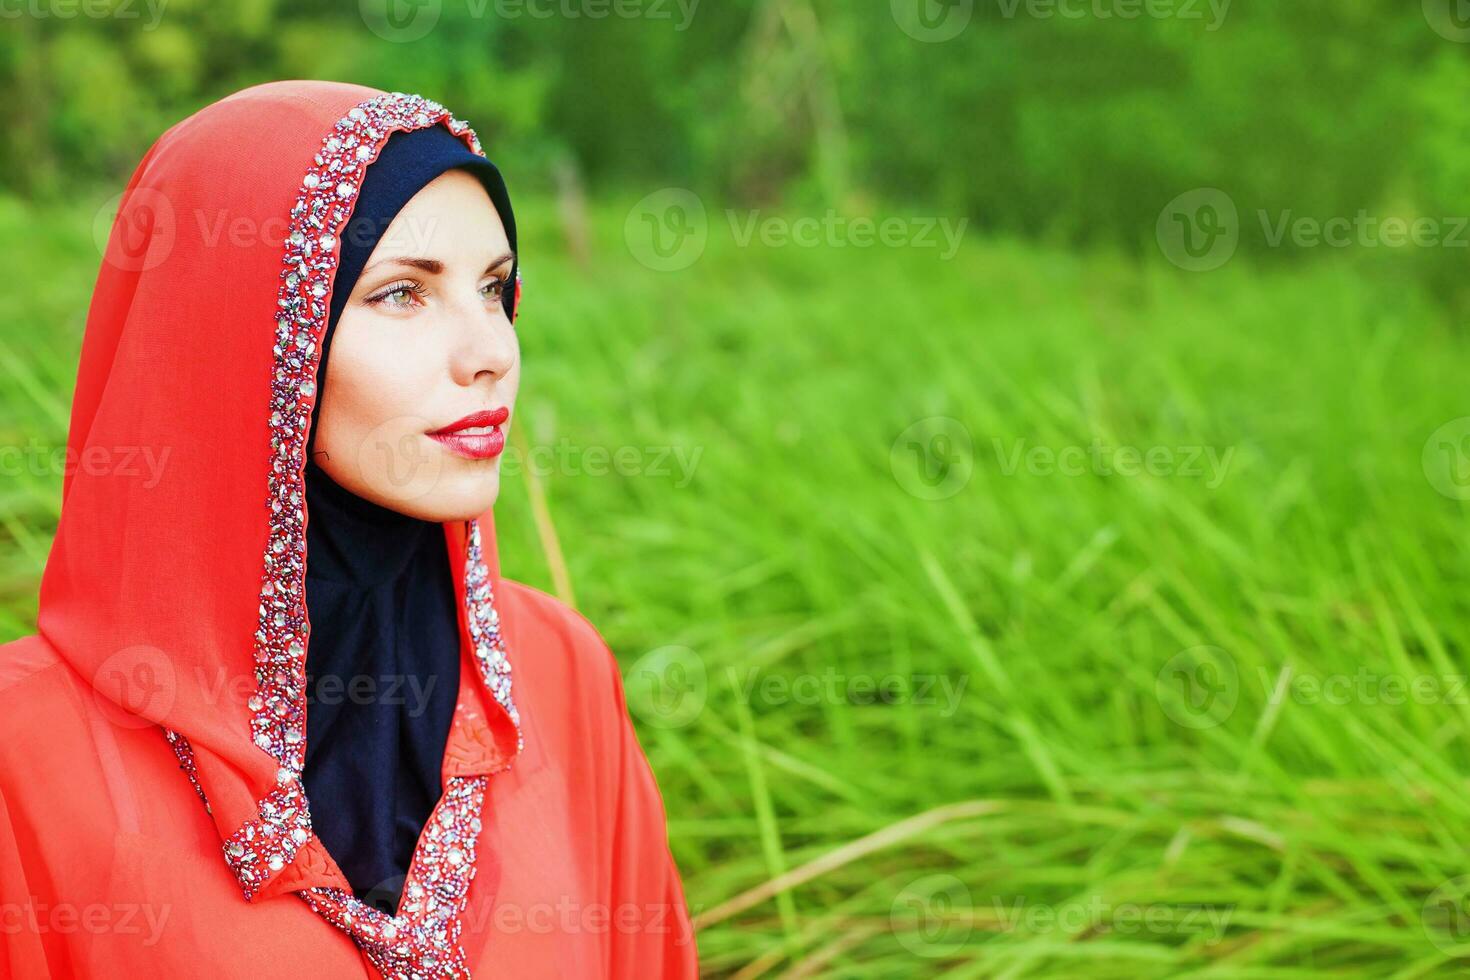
(484, 344)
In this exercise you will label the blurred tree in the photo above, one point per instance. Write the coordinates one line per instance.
(1077, 128)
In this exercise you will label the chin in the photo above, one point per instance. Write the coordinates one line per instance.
(430, 483)
(458, 497)
(451, 494)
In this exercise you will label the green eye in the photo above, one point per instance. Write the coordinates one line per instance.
(398, 296)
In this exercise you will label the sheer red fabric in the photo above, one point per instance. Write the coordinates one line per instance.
(152, 821)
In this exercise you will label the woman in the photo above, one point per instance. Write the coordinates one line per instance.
(305, 316)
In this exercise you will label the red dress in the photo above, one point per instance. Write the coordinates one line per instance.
(152, 734)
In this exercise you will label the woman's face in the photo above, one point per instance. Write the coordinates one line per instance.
(424, 363)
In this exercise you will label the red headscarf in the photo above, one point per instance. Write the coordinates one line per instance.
(177, 602)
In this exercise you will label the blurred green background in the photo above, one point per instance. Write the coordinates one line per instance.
(1018, 449)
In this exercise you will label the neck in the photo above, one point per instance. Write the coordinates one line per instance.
(354, 541)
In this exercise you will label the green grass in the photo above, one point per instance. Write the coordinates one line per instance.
(1099, 824)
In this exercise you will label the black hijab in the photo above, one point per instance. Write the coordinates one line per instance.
(383, 659)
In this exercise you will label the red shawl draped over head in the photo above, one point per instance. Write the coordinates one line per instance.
(152, 735)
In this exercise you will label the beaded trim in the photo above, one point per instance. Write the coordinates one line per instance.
(485, 631)
(423, 939)
(185, 752)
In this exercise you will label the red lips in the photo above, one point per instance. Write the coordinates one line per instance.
(475, 419)
(475, 445)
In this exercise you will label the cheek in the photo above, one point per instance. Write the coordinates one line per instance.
(375, 382)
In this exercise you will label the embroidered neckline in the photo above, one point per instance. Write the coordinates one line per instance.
(422, 939)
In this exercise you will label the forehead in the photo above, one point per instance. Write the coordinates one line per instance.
(450, 219)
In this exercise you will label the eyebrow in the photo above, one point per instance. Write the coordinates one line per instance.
(431, 266)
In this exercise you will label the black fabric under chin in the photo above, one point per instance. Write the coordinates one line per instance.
(382, 671)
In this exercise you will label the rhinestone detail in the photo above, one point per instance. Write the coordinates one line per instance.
(485, 631)
(422, 940)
